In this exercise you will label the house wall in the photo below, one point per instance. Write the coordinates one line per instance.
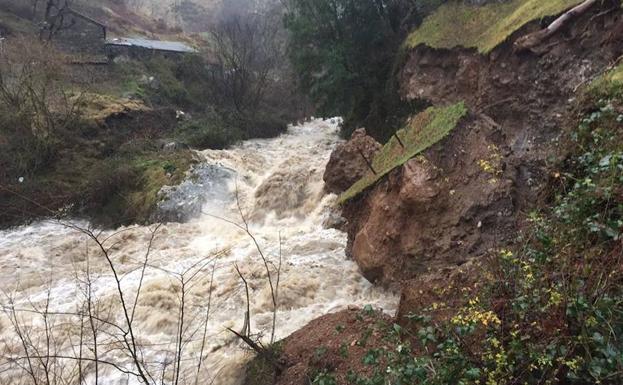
(79, 35)
(139, 53)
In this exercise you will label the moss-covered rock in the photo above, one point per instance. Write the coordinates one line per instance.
(421, 132)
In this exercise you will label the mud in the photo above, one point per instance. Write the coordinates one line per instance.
(467, 194)
(348, 161)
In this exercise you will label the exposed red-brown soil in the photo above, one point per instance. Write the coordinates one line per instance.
(348, 161)
(466, 194)
(436, 210)
(335, 343)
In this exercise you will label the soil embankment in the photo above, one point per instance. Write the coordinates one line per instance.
(466, 194)
(425, 226)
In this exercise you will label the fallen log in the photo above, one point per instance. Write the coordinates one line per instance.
(526, 43)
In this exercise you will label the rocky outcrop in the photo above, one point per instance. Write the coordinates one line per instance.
(347, 164)
(464, 195)
(441, 208)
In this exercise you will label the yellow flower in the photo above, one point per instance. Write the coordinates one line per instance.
(555, 298)
(486, 166)
(506, 253)
(574, 363)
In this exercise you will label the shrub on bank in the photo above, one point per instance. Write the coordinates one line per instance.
(209, 131)
(220, 129)
(549, 311)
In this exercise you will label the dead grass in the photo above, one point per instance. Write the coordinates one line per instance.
(423, 131)
(457, 24)
(98, 107)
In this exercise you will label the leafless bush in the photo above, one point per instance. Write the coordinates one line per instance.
(273, 276)
(37, 104)
(248, 52)
(34, 85)
(100, 335)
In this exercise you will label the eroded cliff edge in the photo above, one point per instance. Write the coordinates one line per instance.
(428, 225)
(467, 193)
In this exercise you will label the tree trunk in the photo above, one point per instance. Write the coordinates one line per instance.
(530, 41)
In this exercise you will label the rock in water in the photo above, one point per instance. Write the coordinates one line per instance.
(184, 202)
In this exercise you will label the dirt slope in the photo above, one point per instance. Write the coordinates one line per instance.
(424, 225)
(468, 192)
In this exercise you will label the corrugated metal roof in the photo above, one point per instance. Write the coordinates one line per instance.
(172, 46)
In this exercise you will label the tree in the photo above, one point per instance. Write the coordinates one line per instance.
(53, 16)
(341, 49)
(247, 49)
(345, 53)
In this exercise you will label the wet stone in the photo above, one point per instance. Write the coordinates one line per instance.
(206, 183)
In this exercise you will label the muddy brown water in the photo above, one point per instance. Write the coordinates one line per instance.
(280, 188)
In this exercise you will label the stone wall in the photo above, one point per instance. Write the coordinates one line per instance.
(140, 53)
(78, 34)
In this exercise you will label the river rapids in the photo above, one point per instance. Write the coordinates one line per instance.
(54, 274)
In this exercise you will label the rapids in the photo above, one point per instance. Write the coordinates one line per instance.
(279, 187)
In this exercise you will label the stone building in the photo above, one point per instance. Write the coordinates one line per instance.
(75, 33)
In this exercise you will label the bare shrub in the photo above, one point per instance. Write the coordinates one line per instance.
(248, 53)
(100, 335)
(37, 103)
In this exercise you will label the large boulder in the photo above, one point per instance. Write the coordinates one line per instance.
(440, 209)
(346, 165)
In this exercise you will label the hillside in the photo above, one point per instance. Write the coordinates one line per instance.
(100, 134)
(502, 234)
(173, 214)
(120, 18)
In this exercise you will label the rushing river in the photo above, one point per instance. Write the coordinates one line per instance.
(49, 270)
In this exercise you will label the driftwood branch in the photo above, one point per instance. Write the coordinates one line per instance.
(368, 163)
(260, 350)
(528, 42)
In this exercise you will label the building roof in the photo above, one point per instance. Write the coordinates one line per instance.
(170, 46)
(83, 16)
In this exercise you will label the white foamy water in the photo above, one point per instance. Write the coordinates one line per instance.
(280, 189)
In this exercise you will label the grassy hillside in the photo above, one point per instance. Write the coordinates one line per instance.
(457, 24)
(423, 131)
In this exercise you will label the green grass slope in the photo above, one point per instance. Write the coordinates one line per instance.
(423, 131)
(483, 27)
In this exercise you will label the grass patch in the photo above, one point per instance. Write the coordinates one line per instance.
(609, 84)
(260, 371)
(98, 107)
(423, 131)
(483, 27)
(155, 170)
